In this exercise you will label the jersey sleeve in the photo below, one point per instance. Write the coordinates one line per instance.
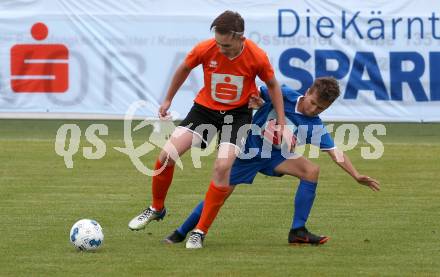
(266, 72)
(321, 137)
(327, 142)
(286, 91)
(194, 57)
(264, 93)
(317, 134)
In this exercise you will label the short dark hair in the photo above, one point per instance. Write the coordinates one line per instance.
(327, 88)
(229, 22)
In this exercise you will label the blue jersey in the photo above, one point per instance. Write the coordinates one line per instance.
(308, 130)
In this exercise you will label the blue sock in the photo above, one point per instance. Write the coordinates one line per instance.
(192, 220)
(305, 195)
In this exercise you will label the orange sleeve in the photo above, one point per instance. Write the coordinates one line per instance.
(266, 72)
(193, 58)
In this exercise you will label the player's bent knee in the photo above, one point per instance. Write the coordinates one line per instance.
(312, 173)
(221, 167)
(165, 157)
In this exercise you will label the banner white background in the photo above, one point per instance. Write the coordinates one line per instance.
(123, 51)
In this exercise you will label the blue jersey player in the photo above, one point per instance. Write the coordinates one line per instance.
(260, 156)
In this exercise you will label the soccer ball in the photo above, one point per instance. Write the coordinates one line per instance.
(86, 234)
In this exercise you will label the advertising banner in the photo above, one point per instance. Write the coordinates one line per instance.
(98, 57)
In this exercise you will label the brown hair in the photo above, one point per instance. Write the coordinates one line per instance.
(229, 22)
(327, 88)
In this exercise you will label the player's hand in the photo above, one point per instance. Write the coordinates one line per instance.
(373, 184)
(279, 127)
(163, 110)
(255, 102)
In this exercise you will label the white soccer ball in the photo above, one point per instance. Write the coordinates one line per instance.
(86, 234)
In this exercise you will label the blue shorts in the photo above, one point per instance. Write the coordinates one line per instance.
(244, 170)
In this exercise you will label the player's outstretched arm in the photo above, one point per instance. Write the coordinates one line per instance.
(179, 77)
(276, 97)
(341, 159)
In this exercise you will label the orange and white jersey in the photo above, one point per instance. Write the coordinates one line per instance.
(228, 83)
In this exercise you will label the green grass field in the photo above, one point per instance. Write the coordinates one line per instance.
(393, 232)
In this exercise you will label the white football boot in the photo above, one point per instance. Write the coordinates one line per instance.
(148, 215)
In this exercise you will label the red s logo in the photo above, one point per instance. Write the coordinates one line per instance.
(39, 67)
